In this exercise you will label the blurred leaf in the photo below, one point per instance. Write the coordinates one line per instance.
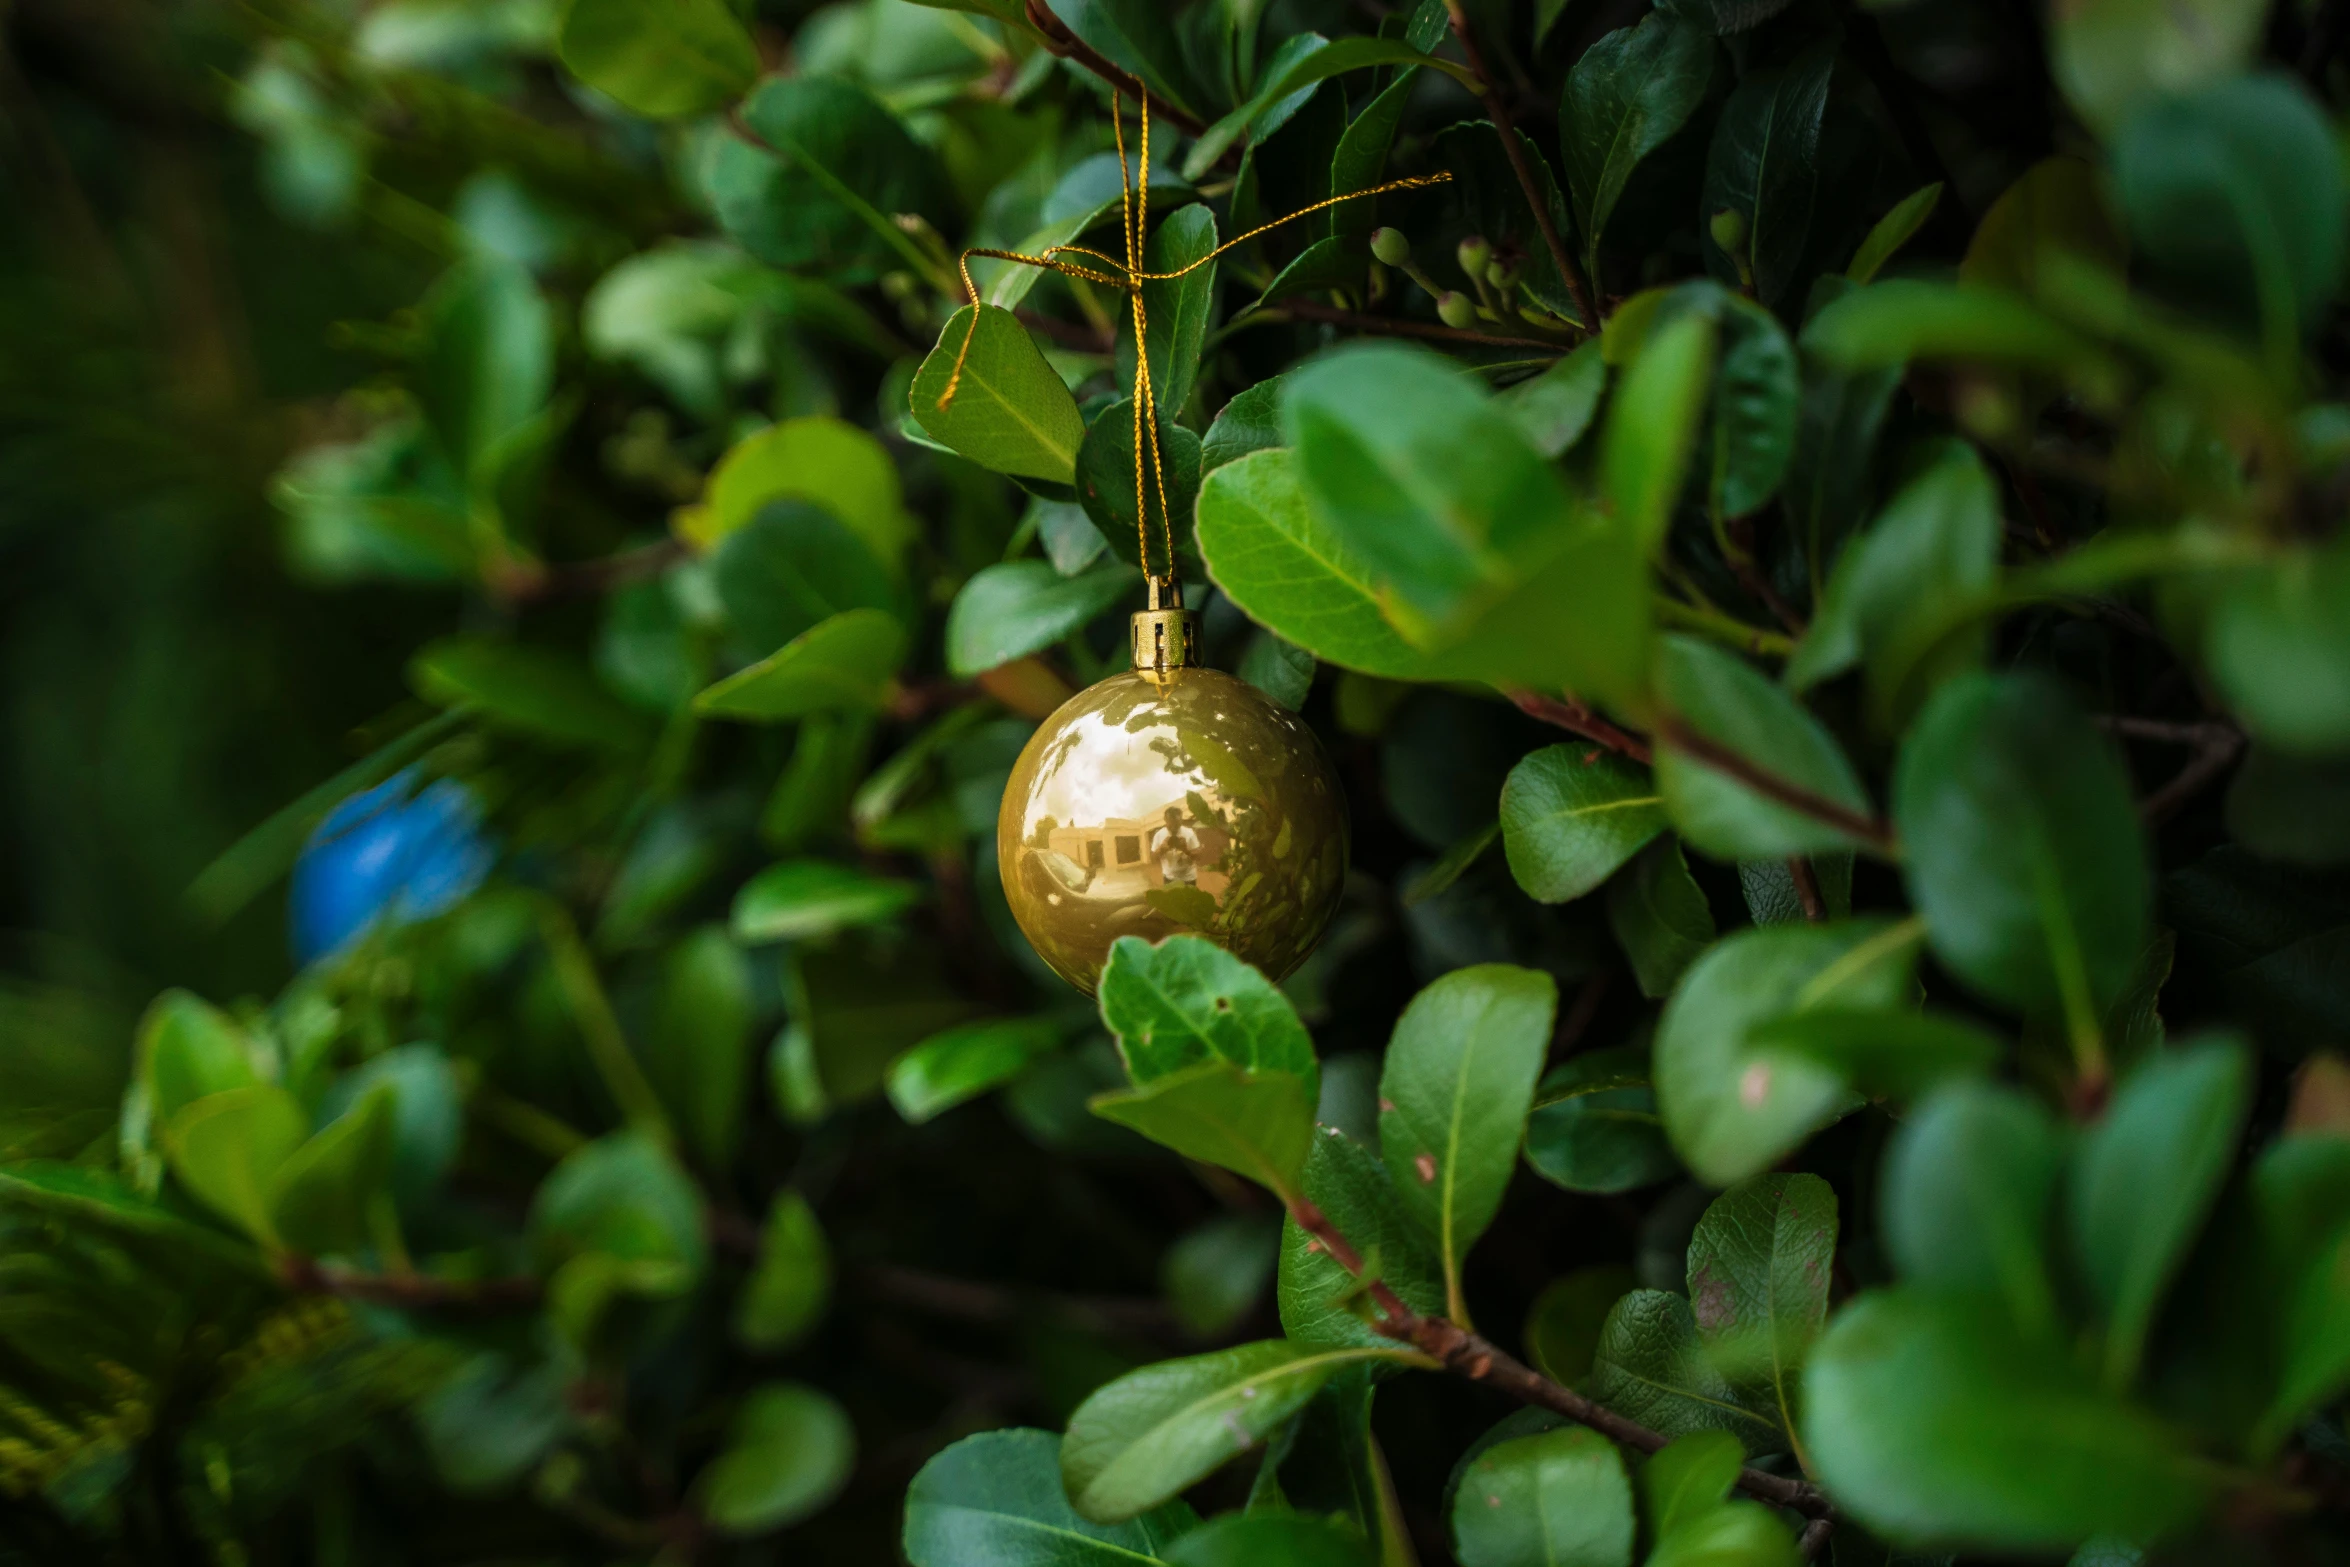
(2055, 208)
(1894, 230)
(1553, 410)
(789, 1452)
(1595, 1127)
(95, 1197)
(1652, 427)
(1147, 1437)
(1723, 699)
(1731, 1110)
(1629, 94)
(1684, 1482)
(818, 195)
(624, 1197)
(491, 1422)
(1269, 1540)
(995, 1500)
(856, 1005)
(2113, 57)
(1454, 1093)
(1018, 607)
(700, 1041)
(1899, 320)
(2278, 650)
(323, 1196)
(844, 664)
(1563, 1325)
(1931, 1422)
(1347, 1182)
(1884, 1055)
(1759, 1266)
(1651, 1367)
(1009, 412)
(799, 899)
(1659, 916)
(1560, 1499)
(532, 690)
(188, 1049)
(961, 1063)
(228, 1148)
(2301, 1189)
(1765, 167)
(1186, 1000)
(1969, 1203)
(2291, 808)
(825, 462)
(1745, 1533)
(665, 59)
(1256, 1124)
(1571, 815)
(2024, 852)
(2147, 1178)
(790, 1281)
(487, 365)
(1216, 1273)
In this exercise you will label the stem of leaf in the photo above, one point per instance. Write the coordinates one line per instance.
(1877, 834)
(1724, 629)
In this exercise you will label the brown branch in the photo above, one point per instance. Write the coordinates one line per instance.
(1807, 888)
(1514, 148)
(1057, 39)
(1397, 326)
(1478, 1359)
(538, 584)
(409, 1291)
(1874, 832)
(2216, 747)
(1575, 718)
(1814, 1541)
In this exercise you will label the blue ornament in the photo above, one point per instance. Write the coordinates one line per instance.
(386, 855)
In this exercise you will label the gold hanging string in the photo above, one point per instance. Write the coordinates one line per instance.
(1128, 277)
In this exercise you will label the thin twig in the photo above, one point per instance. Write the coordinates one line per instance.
(1814, 1540)
(2206, 764)
(409, 1291)
(1514, 148)
(1807, 888)
(1575, 718)
(1470, 1355)
(1397, 326)
(1057, 39)
(1870, 830)
(588, 578)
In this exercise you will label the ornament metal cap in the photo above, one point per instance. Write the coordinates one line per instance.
(1165, 634)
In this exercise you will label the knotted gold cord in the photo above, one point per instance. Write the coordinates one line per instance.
(1133, 224)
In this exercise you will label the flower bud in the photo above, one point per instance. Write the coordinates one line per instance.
(1729, 231)
(1504, 275)
(1476, 255)
(1390, 246)
(1456, 309)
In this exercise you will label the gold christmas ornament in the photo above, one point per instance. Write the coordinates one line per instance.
(1172, 800)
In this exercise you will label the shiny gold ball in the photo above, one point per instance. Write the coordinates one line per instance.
(1167, 803)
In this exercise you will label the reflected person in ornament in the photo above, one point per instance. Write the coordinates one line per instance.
(1176, 848)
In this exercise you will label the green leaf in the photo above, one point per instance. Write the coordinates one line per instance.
(1249, 422)
(1269, 1540)
(81, 1195)
(2024, 852)
(1737, 1534)
(1660, 917)
(323, 1196)
(817, 191)
(960, 1064)
(1010, 411)
(487, 364)
(1884, 1055)
(1017, 607)
(1257, 1124)
(1651, 1367)
(2146, 1180)
(1933, 550)
(1458, 1081)
(1350, 1185)
(1560, 1499)
(1903, 319)
(1894, 230)
(844, 664)
(826, 462)
(2301, 1190)
(995, 1500)
(187, 1049)
(1932, 1423)
(1564, 1323)
(624, 1197)
(1106, 474)
(530, 690)
(1723, 699)
(1216, 1273)
(491, 1421)
(1629, 94)
(1571, 815)
(1147, 1437)
(1652, 427)
(1759, 1267)
(1765, 167)
(227, 1149)
(1282, 670)
(1140, 38)
(1768, 888)
(1731, 1110)
(2054, 216)
(788, 1454)
(790, 1281)
(1177, 309)
(1968, 1202)
(2278, 643)
(666, 59)
(1595, 1126)
(699, 1043)
(1186, 1000)
(799, 899)
(1756, 403)
(1555, 408)
(1424, 479)
(1685, 1482)
(2113, 57)
(2234, 196)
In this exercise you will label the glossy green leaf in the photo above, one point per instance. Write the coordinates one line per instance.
(1683, 1483)
(1571, 815)
(995, 1500)
(1269, 1540)
(1010, 411)
(789, 1452)
(1933, 1424)
(1723, 700)
(791, 1278)
(2147, 1177)
(1765, 167)
(828, 463)
(1553, 410)
(1892, 231)
(1349, 1184)
(815, 184)
(1560, 1499)
(530, 690)
(1756, 404)
(1733, 1111)
(1018, 607)
(663, 58)
(1147, 1437)
(1759, 1268)
(228, 1148)
(1186, 1000)
(1457, 1084)
(799, 899)
(839, 665)
(1258, 1124)
(1177, 309)
(1629, 94)
(1738, 1534)
(1968, 1202)
(961, 1063)
(2024, 853)
(1652, 1367)
(1659, 916)
(1595, 1126)
(1282, 670)
(1249, 422)
(2113, 57)
(1106, 473)
(1652, 427)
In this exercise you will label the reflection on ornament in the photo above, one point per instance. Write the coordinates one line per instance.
(1168, 801)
